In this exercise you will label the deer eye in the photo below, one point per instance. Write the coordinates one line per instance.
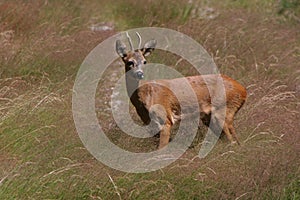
(145, 62)
(130, 63)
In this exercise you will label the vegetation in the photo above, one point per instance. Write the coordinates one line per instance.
(42, 45)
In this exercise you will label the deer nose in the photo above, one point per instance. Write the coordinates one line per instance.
(140, 75)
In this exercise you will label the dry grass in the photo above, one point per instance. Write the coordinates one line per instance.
(43, 43)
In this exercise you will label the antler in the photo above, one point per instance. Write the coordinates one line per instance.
(130, 42)
(140, 39)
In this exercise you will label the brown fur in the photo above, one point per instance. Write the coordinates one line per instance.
(154, 100)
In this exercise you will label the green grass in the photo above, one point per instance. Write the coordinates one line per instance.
(41, 154)
(292, 191)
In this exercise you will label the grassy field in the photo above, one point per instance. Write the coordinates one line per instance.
(42, 45)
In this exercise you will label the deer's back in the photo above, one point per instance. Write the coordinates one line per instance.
(207, 89)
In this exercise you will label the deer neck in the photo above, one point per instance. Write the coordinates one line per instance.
(132, 86)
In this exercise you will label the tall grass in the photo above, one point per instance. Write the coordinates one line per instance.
(42, 44)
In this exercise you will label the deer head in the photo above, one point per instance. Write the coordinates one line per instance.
(135, 59)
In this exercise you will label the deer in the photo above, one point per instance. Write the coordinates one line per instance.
(146, 95)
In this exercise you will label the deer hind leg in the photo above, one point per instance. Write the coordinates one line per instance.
(227, 126)
(229, 121)
(233, 133)
(227, 132)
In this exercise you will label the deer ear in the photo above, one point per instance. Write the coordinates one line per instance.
(149, 47)
(121, 49)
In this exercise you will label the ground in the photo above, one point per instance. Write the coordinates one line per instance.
(42, 45)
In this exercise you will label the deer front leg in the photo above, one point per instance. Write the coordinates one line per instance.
(164, 135)
(158, 115)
